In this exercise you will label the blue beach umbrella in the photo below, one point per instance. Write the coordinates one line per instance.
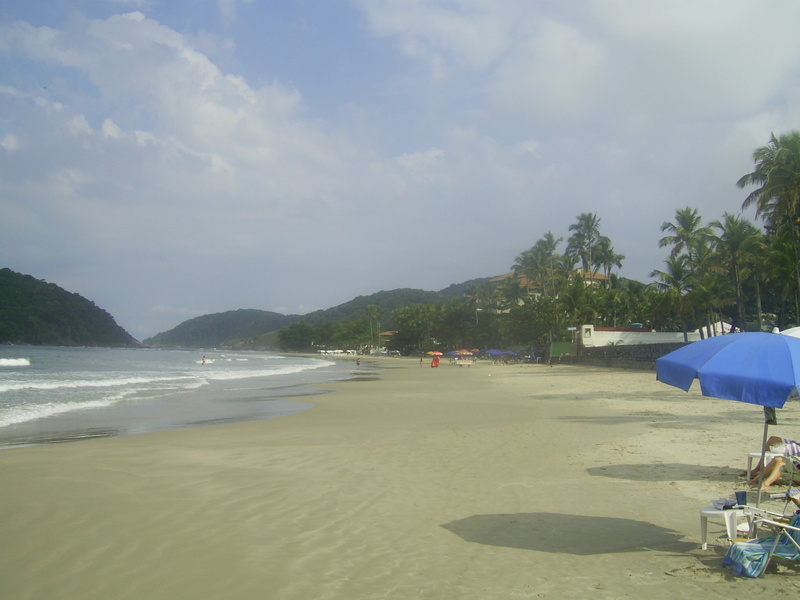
(757, 368)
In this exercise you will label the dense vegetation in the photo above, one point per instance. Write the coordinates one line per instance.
(355, 324)
(210, 331)
(41, 313)
(386, 301)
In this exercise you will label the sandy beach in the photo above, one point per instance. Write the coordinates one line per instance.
(488, 482)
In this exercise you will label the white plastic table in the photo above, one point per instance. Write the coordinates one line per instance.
(730, 516)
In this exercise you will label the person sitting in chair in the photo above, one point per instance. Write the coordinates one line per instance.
(774, 469)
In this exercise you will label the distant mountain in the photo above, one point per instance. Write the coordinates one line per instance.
(40, 313)
(457, 290)
(218, 329)
(257, 328)
(386, 301)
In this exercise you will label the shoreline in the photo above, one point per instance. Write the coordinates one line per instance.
(216, 402)
(493, 481)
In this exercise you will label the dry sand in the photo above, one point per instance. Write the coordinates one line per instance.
(489, 482)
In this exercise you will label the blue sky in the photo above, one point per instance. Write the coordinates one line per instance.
(171, 159)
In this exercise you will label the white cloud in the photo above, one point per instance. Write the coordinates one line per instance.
(557, 72)
(418, 164)
(79, 125)
(111, 129)
(472, 34)
(10, 142)
(709, 58)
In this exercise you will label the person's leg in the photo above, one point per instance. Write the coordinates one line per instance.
(774, 440)
(772, 473)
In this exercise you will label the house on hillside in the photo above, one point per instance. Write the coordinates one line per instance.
(534, 289)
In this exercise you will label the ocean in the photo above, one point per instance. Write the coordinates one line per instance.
(60, 394)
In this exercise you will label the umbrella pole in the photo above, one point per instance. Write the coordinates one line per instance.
(763, 466)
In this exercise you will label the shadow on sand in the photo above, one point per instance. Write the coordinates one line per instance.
(580, 535)
(665, 472)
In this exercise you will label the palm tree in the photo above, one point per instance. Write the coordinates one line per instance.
(738, 240)
(777, 199)
(482, 297)
(539, 264)
(510, 292)
(373, 313)
(674, 281)
(527, 265)
(684, 234)
(712, 291)
(778, 271)
(606, 259)
(576, 302)
(581, 244)
(709, 283)
(615, 304)
(545, 251)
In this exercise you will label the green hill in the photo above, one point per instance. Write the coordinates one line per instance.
(457, 290)
(218, 329)
(40, 313)
(256, 328)
(386, 301)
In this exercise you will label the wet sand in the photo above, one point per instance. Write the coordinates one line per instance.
(486, 482)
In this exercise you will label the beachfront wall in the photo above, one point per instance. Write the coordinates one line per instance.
(634, 356)
(598, 337)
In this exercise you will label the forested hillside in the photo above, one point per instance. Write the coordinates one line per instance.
(40, 313)
(209, 331)
(250, 328)
(384, 301)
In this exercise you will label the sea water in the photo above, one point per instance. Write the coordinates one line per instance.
(50, 394)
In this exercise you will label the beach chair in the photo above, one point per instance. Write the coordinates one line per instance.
(750, 558)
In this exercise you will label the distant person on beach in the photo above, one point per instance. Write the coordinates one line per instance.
(204, 359)
(358, 362)
(435, 362)
(774, 469)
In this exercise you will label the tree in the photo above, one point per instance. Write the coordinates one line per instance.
(737, 243)
(415, 326)
(778, 273)
(373, 314)
(548, 262)
(483, 297)
(606, 258)
(511, 292)
(684, 234)
(297, 336)
(577, 303)
(674, 282)
(777, 197)
(527, 265)
(583, 241)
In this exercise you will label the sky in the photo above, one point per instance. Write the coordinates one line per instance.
(173, 158)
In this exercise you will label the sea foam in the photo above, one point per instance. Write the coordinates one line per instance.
(15, 362)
